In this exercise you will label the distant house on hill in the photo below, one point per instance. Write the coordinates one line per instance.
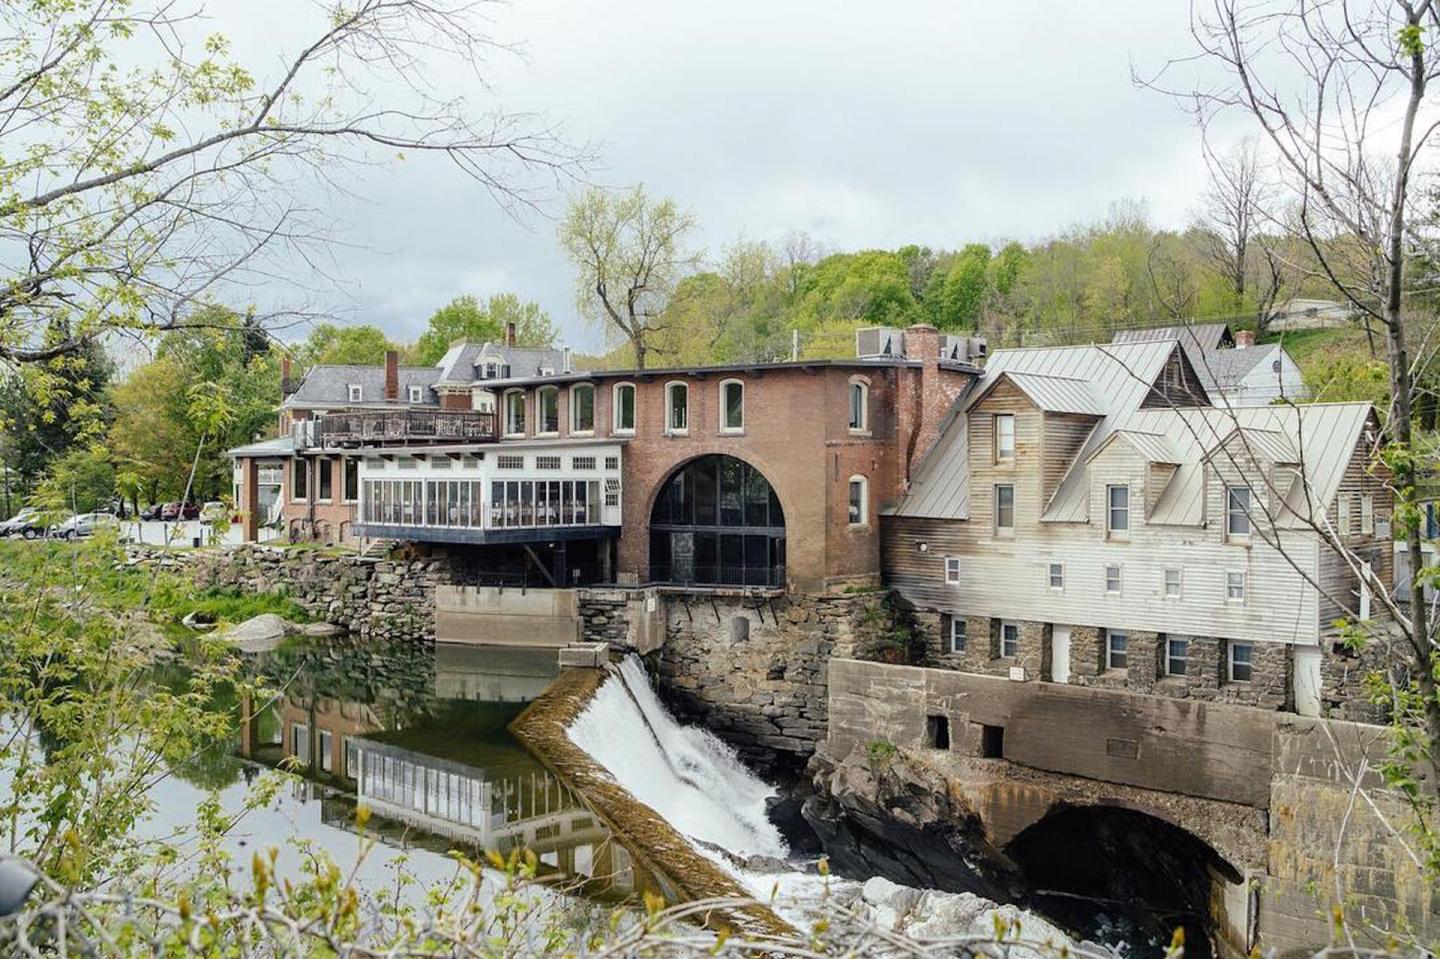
(1306, 314)
(1235, 371)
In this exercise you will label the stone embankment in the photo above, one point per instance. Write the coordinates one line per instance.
(387, 599)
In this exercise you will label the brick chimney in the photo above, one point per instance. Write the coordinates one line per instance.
(925, 395)
(286, 387)
(392, 375)
(510, 333)
(1244, 338)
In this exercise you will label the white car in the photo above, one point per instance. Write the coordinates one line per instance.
(84, 524)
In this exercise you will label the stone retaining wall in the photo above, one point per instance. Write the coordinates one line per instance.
(390, 599)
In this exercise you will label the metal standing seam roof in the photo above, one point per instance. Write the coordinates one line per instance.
(1055, 394)
(1154, 447)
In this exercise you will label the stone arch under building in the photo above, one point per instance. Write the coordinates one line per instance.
(717, 521)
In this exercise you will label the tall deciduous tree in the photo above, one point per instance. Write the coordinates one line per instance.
(466, 318)
(130, 194)
(629, 253)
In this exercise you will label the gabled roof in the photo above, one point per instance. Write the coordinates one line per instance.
(1268, 444)
(1152, 447)
(330, 385)
(1196, 338)
(1053, 394)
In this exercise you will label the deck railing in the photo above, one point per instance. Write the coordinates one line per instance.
(357, 428)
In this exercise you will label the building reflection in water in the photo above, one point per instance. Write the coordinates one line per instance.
(419, 736)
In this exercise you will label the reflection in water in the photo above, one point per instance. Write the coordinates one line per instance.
(419, 736)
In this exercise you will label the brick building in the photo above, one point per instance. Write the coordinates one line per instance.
(755, 475)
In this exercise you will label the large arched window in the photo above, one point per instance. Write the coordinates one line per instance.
(515, 413)
(547, 411)
(717, 521)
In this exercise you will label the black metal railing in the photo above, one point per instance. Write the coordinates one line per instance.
(672, 574)
(385, 426)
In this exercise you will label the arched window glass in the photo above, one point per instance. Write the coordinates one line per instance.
(859, 501)
(624, 408)
(547, 413)
(859, 406)
(582, 409)
(717, 521)
(732, 406)
(515, 413)
(677, 408)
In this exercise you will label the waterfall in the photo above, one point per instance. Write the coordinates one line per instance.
(686, 774)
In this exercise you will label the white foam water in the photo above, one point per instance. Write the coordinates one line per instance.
(689, 777)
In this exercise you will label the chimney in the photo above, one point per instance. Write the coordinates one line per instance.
(392, 375)
(1244, 338)
(567, 364)
(510, 333)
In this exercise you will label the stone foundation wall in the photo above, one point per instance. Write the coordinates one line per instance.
(755, 671)
(390, 599)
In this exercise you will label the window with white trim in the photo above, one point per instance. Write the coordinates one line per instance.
(582, 408)
(515, 413)
(1367, 515)
(1004, 509)
(1004, 437)
(509, 461)
(958, 638)
(1116, 649)
(1172, 582)
(623, 408)
(582, 462)
(1117, 511)
(547, 462)
(859, 406)
(547, 411)
(355, 392)
(1240, 658)
(1235, 587)
(1009, 639)
(859, 511)
(1342, 515)
(417, 394)
(952, 570)
(732, 406)
(1237, 512)
(350, 479)
(677, 408)
(1057, 576)
(299, 479)
(1177, 656)
(1112, 578)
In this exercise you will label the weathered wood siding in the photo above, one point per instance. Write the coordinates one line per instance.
(1340, 587)
(1063, 435)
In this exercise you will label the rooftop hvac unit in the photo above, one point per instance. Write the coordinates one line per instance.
(879, 342)
(963, 349)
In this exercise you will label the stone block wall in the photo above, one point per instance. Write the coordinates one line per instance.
(389, 599)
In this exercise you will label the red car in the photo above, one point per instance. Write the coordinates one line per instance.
(171, 512)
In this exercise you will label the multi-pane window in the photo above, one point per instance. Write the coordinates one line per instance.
(1177, 654)
(547, 462)
(1112, 578)
(1235, 587)
(1004, 437)
(1367, 515)
(859, 407)
(677, 408)
(732, 406)
(299, 479)
(547, 413)
(510, 461)
(417, 394)
(1057, 575)
(1117, 500)
(582, 462)
(612, 462)
(355, 393)
(526, 503)
(952, 570)
(1009, 640)
(859, 507)
(957, 634)
(1004, 508)
(1237, 510)
(1241, 656)
(1172, 581)
(1116, 642)
(624, 412)
(515, 413)
(612, 492)
(1342, 515)
(582, 409)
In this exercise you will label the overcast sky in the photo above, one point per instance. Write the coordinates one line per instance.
(865, 124)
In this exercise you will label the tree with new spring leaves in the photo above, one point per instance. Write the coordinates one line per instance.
(131, 195)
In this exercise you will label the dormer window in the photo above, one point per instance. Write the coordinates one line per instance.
(490, 369)
(1117, 511)
(1004, 437)
(356, 393)
(417, 394)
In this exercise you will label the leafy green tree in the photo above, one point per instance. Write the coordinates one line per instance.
(46, 407)
(82, 480)
(849, 290)
(466, 318)
(332, 345)
(967, 284)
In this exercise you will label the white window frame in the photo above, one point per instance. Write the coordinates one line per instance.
(1343, 515)
(1366, 571)
(1111, 530)
(490, 368)
(1119, 579)
(863, 385)
(345, 463)
(1002, 455)
(615, 426)
(670, 428)
(952, 571)
(540, 395)
(309, 479)
(1052, 573)
(1110, 650)
(1231, 513)
(724, 407)
(864, 485)
(1012, 625)
(1367, 514)
(505, 412)
(1179, 582)
(355, 392)
(416, 394)
(1230, 575)
(1230, 662)
(959, 629)
(995, 510)
(1171, 659)
(575, 429)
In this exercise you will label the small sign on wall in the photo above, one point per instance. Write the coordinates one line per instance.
(1017, 674)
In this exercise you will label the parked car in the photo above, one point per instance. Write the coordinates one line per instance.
(25, 523)
(152, 512)
(173, 512)
(83, 524)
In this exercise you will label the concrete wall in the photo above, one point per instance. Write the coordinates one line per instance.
(494, 616)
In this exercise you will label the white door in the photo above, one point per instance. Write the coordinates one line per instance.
(1060, 654)
(1307, 680)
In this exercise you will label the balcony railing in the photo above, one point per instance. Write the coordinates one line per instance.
(728, 574)
(386, 426)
